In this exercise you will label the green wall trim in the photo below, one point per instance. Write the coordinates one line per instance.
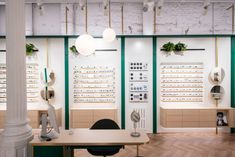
(232, 75)
(123, 111)
(66, 80)
(48, 151)
(154, 85)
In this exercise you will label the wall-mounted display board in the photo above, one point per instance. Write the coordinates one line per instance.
(182, 82)
(139, 82)
(35, 65)
(32, 83)
(93, 84)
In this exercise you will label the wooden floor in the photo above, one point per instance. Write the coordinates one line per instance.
(181, 145)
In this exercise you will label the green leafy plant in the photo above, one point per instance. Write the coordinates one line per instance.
(180, 47)
(74, 50)
(30, 49)
(168, 47)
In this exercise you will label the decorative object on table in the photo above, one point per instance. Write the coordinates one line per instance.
(85, 43)
(30, 49)
(73, 50)
(217, 75)
(135, 118)
(109, 34)
(222, 119)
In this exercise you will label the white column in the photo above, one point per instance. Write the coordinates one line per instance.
(17, 133)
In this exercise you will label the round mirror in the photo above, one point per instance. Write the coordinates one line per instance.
(217, 92)
(48, 95)
(135, 117)
(48, 77)
(217, 75)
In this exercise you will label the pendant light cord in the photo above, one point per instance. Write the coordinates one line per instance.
(216, 52)
(86, 18)
(109, 13)
(122, 9)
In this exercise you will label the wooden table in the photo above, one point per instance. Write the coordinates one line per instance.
(83, 138)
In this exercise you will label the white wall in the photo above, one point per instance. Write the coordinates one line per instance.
(112, 59)
(174, 18)
(207, 57)
(48, 22)
(2, 20)
(139, 50)
(56, 63)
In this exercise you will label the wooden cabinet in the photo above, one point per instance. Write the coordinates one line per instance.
(85, 118)
(207, 118)
(33, 117)
(194, 118)
(231, 118)
(2, 118)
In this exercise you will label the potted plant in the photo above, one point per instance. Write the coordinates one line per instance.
(74, 50)
(168, 47)
(180, 47)
(30, 49)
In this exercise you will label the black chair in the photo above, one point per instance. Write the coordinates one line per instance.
(105, 150)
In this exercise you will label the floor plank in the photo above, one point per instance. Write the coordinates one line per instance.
(180, 145)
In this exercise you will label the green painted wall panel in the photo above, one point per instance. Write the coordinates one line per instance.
(50, 151)
(233, 75)
(66, 68)
(154, 85)
(123, 111)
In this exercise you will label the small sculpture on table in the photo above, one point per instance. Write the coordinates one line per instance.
(135, 118)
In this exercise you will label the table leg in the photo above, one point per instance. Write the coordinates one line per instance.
(68, 152)
(137, 151)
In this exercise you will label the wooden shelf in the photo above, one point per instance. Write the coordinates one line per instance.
(200, 49)
(183, 87)
(183, 96)
(138, 70)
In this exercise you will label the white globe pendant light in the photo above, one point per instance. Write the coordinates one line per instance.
(109, 34)
(85, 43)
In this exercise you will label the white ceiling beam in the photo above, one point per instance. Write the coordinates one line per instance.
(121, 1)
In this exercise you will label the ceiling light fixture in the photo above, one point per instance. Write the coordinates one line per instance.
(159, 6)
(40, 7)
(109, 34)
(82, 4)
(85, 44)
(205, 6)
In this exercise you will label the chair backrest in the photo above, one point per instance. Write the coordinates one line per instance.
(105, 124)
